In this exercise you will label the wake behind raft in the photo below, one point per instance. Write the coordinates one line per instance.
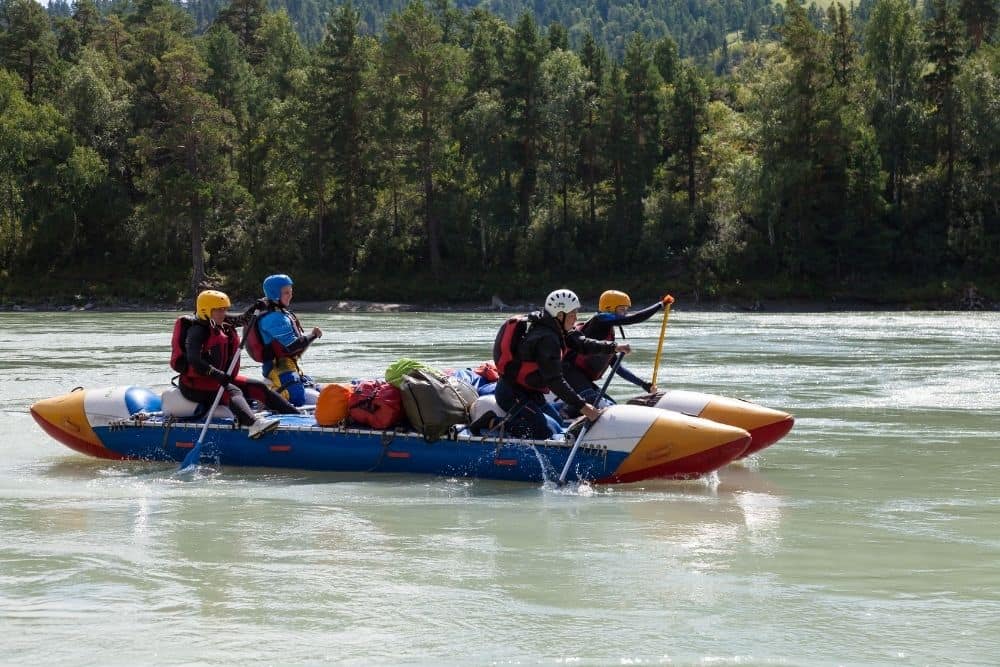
(629, 443)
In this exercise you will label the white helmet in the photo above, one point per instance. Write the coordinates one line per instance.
(561, 301)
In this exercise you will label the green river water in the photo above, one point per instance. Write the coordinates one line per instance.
(869, 535)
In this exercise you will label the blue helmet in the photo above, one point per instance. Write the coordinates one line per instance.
(273, 285)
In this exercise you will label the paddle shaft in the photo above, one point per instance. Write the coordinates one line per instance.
(659, 345)
(586, 427)
(195, 454)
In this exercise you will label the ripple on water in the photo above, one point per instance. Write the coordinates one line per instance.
(868, 535)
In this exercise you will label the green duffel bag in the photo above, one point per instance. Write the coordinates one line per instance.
(434, 403)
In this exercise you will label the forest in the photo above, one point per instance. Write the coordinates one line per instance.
(444, 152)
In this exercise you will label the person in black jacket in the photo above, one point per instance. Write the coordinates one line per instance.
(532, 365)
(583, 370)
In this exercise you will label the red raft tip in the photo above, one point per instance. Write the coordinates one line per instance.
(689, 467)
(767, 435)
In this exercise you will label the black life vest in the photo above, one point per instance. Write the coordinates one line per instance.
(178, 356)
(509, 365)
(592, 365)
(256, 348)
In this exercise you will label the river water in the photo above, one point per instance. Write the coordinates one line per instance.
(869, 535)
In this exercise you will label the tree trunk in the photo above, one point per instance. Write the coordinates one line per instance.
(690, 169)
(197, 253)
(430, 219)
(194, 211)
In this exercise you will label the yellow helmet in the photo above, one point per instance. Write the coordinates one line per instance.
(208, 301)
(612, 299)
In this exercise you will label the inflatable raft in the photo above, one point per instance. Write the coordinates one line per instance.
(629, 443)
(766, 426)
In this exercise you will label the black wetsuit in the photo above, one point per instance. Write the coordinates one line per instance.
(544, 344)
(601, 327)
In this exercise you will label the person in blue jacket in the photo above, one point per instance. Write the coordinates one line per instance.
(582, 369)
(284, 340)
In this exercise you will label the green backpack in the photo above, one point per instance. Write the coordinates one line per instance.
(434, 403)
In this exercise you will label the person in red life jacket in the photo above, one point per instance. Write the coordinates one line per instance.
(583, 370)
(284, 341)
(531, 364)
(209, 347)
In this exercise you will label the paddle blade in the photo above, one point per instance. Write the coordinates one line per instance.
(192, 458)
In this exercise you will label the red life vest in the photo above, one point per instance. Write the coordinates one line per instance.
(218, 350)
(593, 365)
(178, 356)
(256, 348)
(509, 365)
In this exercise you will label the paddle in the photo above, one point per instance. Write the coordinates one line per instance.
(586, 426)
(194, 455)
(663, 331)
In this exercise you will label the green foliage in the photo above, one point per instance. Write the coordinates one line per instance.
(393, 150)
(28, 46)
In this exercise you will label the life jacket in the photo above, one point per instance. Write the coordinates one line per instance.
(591, 365)
(255, 345)
(508, 340)
(218, 350)
(178, 356)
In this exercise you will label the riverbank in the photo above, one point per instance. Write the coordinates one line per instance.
(464, 292)
(971, 302)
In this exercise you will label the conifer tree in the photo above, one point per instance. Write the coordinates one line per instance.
(185, 170)
(642, 138)
(343, 117)
(893, 60)
(427, 70)
(521, 96)
(945, 49)
(27, 45)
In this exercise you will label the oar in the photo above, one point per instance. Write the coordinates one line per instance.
(586, 426)
(194, 455)
(659, 346)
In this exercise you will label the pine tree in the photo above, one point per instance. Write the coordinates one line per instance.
(244, 18)
(688, 125)
(893, 61)
(843, 46)
(594, 59)
(428, 73)
(980, 17)
(564, 81)
(343, 117)
(642, 138)
(183, 157)
(667, 60)
(945, 49)
(521, 96)
(27, 45)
